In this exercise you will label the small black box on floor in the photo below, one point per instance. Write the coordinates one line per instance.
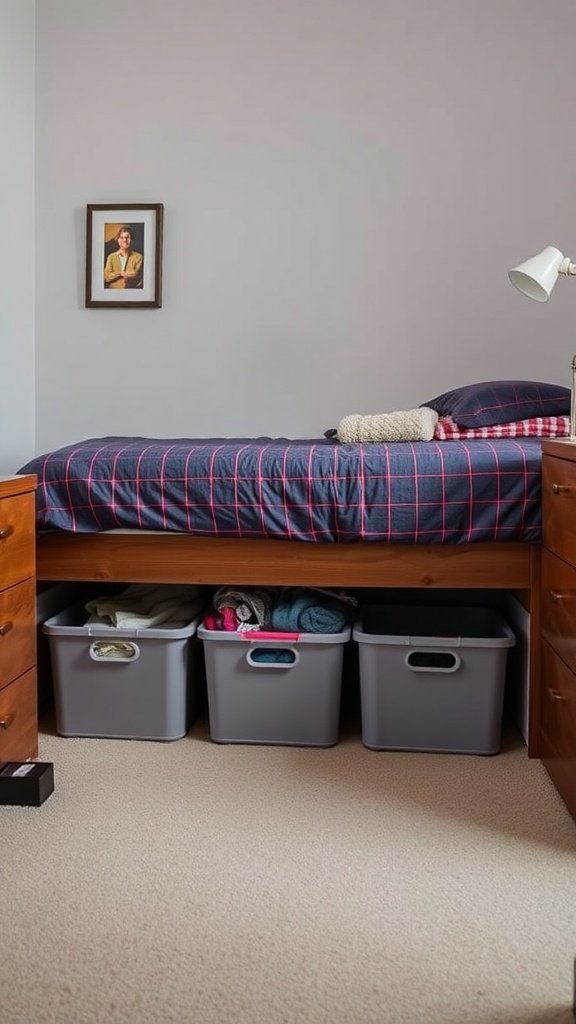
(27, 783)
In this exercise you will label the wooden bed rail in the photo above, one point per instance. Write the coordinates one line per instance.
(175, 558)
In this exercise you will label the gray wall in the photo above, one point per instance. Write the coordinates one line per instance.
(346, 183)
(17, 398)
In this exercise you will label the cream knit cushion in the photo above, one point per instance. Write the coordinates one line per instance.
(403, 425)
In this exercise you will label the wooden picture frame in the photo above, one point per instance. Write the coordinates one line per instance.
(124, 255)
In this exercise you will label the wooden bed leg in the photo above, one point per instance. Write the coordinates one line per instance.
(535, 661)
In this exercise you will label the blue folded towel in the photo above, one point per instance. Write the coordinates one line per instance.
(302, 612)
(287, 610)
(273, 656)
(328, 617)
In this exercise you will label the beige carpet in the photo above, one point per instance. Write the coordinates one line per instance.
(195, 882)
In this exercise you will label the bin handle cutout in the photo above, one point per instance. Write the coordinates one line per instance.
(282, 662)
(432, 660)
(114, 650)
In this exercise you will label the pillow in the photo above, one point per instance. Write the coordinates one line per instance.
(501, 401)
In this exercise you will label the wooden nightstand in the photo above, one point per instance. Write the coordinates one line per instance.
(18, 699)
(558, 618)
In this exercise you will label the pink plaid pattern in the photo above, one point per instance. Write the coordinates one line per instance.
(538, 426)
(307, 490)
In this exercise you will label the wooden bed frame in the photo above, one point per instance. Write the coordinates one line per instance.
(176, 558)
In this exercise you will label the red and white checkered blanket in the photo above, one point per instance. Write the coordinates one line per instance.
(539, 426)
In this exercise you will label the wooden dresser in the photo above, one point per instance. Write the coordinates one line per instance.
(558, 618)
(18, 699)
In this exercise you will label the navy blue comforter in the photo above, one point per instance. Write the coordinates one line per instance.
(436, 492)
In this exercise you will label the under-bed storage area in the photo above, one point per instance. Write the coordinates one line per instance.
(390, 691)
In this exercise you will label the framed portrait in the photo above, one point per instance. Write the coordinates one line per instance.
(124, 255)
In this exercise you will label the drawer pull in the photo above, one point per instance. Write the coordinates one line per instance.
(6, 721)
(6, 532)
(556, 696)
(557, 596)
(5, 628)
(559, 488)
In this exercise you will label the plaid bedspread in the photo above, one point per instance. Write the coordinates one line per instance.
(308, 490)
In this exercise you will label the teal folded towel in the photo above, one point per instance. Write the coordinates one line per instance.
(287, 610)
(302, 612)
(273, 656)
(328, 617)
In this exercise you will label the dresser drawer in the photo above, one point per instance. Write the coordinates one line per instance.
(17, 539)
(558, 735)
(18, 719)
(559, 507)
(559, 607)
(17, 631)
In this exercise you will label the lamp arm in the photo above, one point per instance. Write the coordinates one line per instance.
(567, 267)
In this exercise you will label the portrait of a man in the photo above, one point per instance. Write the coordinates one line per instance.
(123, 263)
(124, 255)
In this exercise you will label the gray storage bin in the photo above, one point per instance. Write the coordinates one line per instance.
(152, 694)
(50, 600)
(291, 704)
(432, 678)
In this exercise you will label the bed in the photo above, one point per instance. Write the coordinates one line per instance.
(278, 511)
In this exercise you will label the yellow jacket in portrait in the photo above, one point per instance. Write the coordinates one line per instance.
(113, 270)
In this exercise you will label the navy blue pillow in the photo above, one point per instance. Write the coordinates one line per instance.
(501, 401)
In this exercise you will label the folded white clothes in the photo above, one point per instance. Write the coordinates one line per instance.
(144, 605)
(402, 425)
(115, 650)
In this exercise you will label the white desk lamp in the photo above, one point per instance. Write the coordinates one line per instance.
(536, 278)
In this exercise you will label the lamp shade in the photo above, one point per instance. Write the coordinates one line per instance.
(537, 276)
